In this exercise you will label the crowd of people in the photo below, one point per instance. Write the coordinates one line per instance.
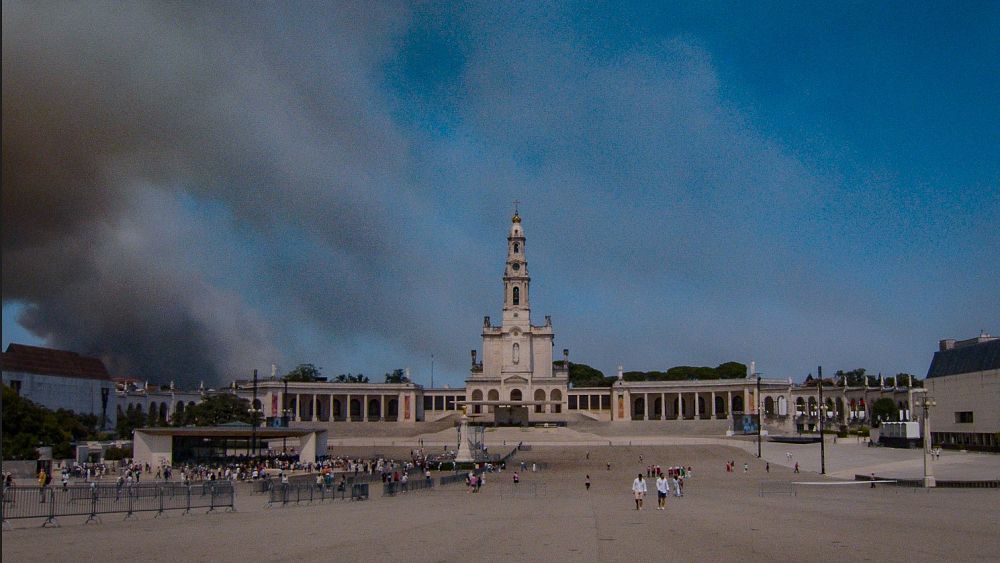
(669, 481)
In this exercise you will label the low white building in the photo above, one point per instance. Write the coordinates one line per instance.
(58, 379)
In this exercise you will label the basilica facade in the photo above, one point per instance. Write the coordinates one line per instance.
(516, 381)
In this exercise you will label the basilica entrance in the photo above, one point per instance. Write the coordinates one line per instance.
(511, 415)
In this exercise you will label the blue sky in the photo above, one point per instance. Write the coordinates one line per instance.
(700, 182)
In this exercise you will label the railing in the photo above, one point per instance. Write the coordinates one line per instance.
(451, 479)
(391, 488)
(520, 490)
(777, 487)
(92, 501)
(285, 493)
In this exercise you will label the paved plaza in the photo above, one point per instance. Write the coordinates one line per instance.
(550, 516)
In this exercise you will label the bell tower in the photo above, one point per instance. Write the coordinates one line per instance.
(516, 303)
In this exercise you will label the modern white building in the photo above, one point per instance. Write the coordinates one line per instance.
(964, 380)
(58, 379)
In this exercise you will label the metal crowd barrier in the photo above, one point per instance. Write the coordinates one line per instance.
(94, 500)
(390, 488)
(450, 479)
(285, 493)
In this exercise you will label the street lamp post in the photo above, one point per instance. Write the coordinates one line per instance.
(926, 403)
(822, 415)
(284, 415)
(254, 412)
(760, 419)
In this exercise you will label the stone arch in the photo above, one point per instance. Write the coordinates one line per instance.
(769, 406)
(639, 408)
(162, 417)
(516, 353)
(812, 406)
(392, 409)
(556, 396)
(179, 409)
(737, 403)
(800, 405)
(355, 407)
(720, 406)
(516, 395)
(517, 295)
(782, 405)
(701, 407)
(658, 407)
(374, 409)
(539, 396)
(337, 409)
(153, 410)
(477, 395)
(492, 395)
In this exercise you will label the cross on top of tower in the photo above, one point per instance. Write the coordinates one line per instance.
(516, 218)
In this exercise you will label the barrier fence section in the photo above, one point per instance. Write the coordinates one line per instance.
(285, 493)
(94, 500)
(390, 488)
(520, 490)
(451, 479)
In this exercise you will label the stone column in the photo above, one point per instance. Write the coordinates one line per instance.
(364, 408)
(384, 414)
(298, 407)
(746, 399)
(713, 405)
(663, 406)
(347, 401)
(697, 409)
(315, 413)
(331, 407)
(729, 403)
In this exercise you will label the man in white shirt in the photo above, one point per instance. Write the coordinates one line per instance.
(638, 491)
(662, 488)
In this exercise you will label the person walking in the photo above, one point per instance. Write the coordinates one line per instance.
(746, 467)
(517, 478)
(587, 482)
(767, 467)
(662, 488)
(873, 480)
(638, 491)
(796, 467)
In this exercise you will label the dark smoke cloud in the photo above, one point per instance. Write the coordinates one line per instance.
(112, 114)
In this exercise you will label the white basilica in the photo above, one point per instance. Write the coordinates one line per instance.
(516, 374)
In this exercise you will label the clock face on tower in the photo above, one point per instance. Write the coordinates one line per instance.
(516, 266)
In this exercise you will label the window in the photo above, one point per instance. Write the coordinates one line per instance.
(517, 248)
(517, 296)
(964, 417)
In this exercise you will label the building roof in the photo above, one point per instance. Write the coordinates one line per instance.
(966, 359)
(46, 361)
(245, 431)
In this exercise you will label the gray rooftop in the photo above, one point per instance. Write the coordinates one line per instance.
(966, 359)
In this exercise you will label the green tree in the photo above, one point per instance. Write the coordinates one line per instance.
(884, 410)
(582, 375)
(855, 377)
(27, 425)
(217, 409)
(348, 378)
(303, 372)
(397, 376)
(132, 418)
